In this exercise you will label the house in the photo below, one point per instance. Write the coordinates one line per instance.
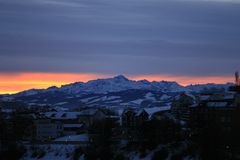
(46, 129)
(133, 118)
(141, 117)
(215, 108)
(181, 106)
(90, 116)
(76, 122)
(218, 117)
(71, 129)
(158, 113)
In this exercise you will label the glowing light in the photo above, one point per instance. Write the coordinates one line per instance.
(13, 83)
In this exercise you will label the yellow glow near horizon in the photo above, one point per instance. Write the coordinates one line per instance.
(13, 83)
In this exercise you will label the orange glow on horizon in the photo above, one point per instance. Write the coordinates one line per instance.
(13, 83)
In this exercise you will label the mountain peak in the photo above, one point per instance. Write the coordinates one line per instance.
(120, 77)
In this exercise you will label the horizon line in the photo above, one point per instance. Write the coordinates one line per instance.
(19, 82)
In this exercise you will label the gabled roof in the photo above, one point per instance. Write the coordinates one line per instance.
(149, 111)
(217, 104)
(70, 115)
(88, 112)
(140, 112)
(80, 125)
(204, 97)
(129, 110)
(153, 110)
(62, 115)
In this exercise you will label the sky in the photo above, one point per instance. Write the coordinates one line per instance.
(54, 42)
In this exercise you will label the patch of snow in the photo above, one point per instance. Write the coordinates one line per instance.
(60, 103)
(165, 97)
(112, 97)
(53, 151)
(8, 98)
(138, 101)
(150, 96)
(94, 101)
(76, 138)
(217, 104)
(115, 101)
(85, 100)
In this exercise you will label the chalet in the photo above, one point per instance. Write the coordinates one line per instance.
(90, 116)
(46, 129)
(218, 116)
(218, 109)
(75, 122)
(181, 106)
(133, 118)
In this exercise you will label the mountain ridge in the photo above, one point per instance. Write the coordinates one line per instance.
(121, 83)
(116, 91)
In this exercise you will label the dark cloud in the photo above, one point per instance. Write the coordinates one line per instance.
(128, 36)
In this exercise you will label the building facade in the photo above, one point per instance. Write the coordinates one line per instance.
(47, 129)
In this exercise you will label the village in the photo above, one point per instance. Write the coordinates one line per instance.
(204, 125)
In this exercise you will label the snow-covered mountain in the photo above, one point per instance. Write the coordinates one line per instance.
(115, 84)
(114, 91)
(201, 87)
(119, 83)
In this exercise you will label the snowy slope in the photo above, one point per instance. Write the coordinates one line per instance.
(108, 92)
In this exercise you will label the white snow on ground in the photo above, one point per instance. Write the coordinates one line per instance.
(52, 152)
(32, 104)
(85, 100)
(61, 103)
(115, 101)
(35, 100)
(69, 97)
(38, 104)
(124, 104)
(105, 98)
(79, 138)
(190, 95)
(149, 154)
(95, 100)
(150, 96)
(112, 97)
(7, 98)
(164, 97)
(137, 101)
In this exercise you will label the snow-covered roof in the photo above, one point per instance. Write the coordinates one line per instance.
(229, 96)
(204, 97)
(153, 110)
(72, 125)
(140, 112)
(70, 115)
(70, 138)
(62, 115)
(150, 111)
(190, 95)
(8, 110)
(217, 104)
(194, 105)
(88, 112)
